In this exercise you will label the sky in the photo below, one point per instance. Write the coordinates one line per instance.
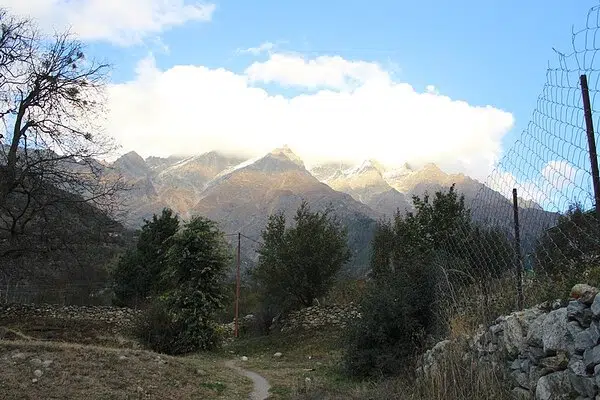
(453, 83)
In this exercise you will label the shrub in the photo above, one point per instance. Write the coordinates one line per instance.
(157, 330)
(194, 281)
(297, 265)
(396, 315)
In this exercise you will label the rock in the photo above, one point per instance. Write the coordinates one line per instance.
(535, 373)
(577, 311)
(555, 386)
(201, 372)
(34, 380)
(594, 330)
(35, 361)
(514, 339)
(535, 354)
(122, 357)
(18, 356)
(519, 393)
(521, 378)
(244, 358)
(577, 367)
(38, 373)
(596, 307)
(584, 293)
(558, 362)
(534, 334)
(47, 363)
(585, 386)
(591, 357)
(557, 334)
(278, 354)
(583, 341)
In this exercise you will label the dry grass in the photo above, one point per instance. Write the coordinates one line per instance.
(92, 372)
(458, 378)
(82, 331)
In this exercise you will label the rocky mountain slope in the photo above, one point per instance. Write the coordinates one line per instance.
(240, 194)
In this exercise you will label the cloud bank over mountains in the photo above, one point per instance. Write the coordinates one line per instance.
(346, 110)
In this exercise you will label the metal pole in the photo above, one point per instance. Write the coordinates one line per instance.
(237, 288)
(589, 123)
(518, 258)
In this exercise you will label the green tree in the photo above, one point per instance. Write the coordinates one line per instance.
(296, 265)
(138, 271)
(574, 238)
(194, 282)
(398, 314)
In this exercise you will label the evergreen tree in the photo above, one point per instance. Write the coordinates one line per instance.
(298, 264)
(194, 282)
(137, 274)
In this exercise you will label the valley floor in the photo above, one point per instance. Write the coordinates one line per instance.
(60, 358)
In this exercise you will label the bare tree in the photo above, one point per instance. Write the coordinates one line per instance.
(51, 106)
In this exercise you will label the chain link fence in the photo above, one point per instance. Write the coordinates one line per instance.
(536, 230)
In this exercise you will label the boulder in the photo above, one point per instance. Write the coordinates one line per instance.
(583, 385)
(514, 338)
(534, 334)
(557, 333)
(555, 386)
(577, 311)
(591, 357)
(558, 362)
(583, 341)
(596, 307)
(584, 293)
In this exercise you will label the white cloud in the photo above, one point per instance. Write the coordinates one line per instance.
(123, 22)
(558, 184)
(561, 173)
(262, 48)
(194, 109)
(321, 72)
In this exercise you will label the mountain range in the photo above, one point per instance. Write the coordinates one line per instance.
(240, 194)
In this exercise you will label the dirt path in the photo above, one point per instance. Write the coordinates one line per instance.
(261, 385)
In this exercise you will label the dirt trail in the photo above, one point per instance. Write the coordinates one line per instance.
(261, 385)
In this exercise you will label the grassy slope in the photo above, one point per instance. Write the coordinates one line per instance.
(81, 369)
(314, 355)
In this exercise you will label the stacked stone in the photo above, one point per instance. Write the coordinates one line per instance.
(316, 317)
(552, 351)
(119, 316)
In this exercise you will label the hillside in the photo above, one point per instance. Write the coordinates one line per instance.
(240, 194)
(242, 198)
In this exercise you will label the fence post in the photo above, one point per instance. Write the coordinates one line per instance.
(589, 123)
(518, 258)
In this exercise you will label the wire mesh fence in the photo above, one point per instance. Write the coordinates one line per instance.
(551, 168)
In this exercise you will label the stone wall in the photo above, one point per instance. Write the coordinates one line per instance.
(551, 351)
(318, 316)
(118, 316)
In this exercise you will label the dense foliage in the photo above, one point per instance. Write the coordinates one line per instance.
(298, 264)
(574, 238)
(178, 275)
(137, 273)
(397, 309)
(194, 281)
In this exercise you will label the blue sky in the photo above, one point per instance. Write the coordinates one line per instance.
(484, 52)
(400, 81)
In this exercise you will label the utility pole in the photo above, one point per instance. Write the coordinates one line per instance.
(589, 123)
(237, 287)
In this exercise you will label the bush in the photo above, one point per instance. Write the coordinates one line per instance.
(136, 275)
(158, 330)
(194, 281)
(396, 316)
(298, 264)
